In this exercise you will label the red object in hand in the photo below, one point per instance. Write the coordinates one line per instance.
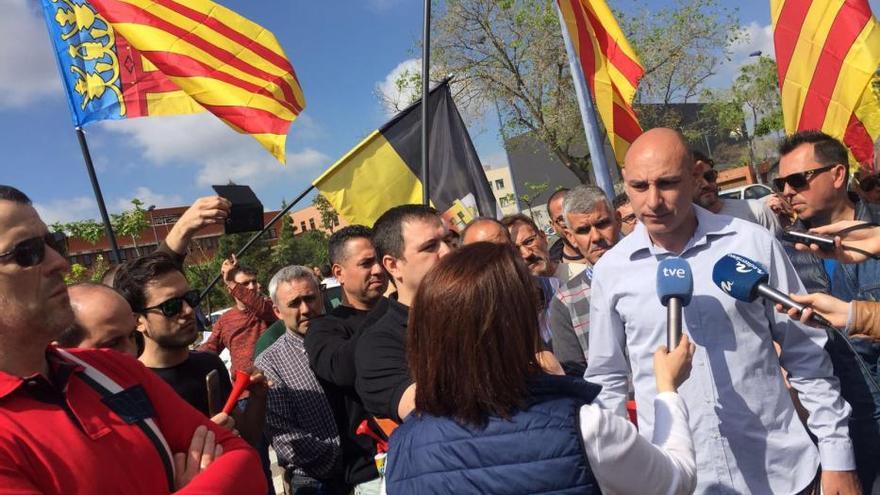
(364, 429)
(242, 380)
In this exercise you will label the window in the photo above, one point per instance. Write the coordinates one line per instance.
(312, 223)
(504, 201)
(499, 184)
(302, 226)
(165, 219)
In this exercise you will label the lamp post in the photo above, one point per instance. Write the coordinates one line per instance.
(153, 224)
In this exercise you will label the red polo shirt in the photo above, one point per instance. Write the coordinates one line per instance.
(58, 437)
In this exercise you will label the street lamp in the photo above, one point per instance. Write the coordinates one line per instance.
(153, 224)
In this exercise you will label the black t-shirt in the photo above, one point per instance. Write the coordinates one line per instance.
(380, 359)
(557, 252)
(188, 379)
(330, 345)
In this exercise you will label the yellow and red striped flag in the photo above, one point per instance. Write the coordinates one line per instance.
(610, 65)
(827, 54)
(229, 65)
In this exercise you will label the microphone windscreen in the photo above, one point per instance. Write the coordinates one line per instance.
(674, 279)
(739, 276)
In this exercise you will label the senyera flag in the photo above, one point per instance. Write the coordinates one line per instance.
(384, 169)
(610, 65)
(137, 58)
(828, 57)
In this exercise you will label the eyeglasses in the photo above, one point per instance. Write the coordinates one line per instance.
(710, 175)
(32, 252)
(173, 306)
(799, 180)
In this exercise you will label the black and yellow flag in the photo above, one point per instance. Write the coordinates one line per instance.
(384, 169)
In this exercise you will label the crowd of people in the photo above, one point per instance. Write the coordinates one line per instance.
(488, 361)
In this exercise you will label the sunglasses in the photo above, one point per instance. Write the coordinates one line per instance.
(799, 180)
(710, 175)
(32, 252)
(173, 307)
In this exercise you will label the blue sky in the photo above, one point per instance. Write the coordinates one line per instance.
(342, 51)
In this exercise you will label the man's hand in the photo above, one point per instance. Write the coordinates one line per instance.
(226, 270)
(259, 384)
(210, 210)
(840, 483)
(202, 452)
(833, 309)
(866, 239)
(671, 369)
(224, 420)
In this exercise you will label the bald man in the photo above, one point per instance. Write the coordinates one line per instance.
(485, 229)
(747, 434)
(102, 320)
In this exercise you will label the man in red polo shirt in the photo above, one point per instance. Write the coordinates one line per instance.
(239, 328)
(90, 421)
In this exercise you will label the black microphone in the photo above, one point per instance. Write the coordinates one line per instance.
(675, 285)
(745, 280)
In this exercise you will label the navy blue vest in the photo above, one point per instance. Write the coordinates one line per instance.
(539, 450)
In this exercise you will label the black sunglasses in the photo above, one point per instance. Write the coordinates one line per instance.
(799, 180)
(32, 252)
(173, 306)
(710, 175)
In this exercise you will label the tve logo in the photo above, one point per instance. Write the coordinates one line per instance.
(674, 272)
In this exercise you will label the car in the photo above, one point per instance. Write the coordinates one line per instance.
(751, 191)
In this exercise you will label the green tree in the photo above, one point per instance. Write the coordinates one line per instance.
(88, 230)
(131, 222)
(257, 257)
(329, 217)
(533, 191)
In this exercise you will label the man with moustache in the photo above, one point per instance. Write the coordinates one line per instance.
(706, 195)
(593, 228)
(90, 421)
(299, 420)
(624, 210)
(331, 341)
(532, 245)
(748, 435)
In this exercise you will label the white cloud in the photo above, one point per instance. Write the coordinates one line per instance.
(220, 153)
(67, 210)
(757, 38)
(394, 98)
(28, 70)
(149, 197)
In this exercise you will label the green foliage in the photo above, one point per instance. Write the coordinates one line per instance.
(199, 275)
(131, 222)
(87, 230)
(329, 217)
(257, 257)
(79, 273)
(533, 191)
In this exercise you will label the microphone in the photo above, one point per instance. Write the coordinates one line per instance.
(675, 285)
(745, 280)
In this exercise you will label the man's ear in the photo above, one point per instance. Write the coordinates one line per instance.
(278, 313)
(840, 177)
(142, 323)
(336, 270)
(390, 264)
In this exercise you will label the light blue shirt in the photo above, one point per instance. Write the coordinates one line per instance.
(747, 433)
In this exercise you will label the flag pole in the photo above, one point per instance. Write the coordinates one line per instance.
(102, 208)
(426, 82)
(588, 114)
(256, 236)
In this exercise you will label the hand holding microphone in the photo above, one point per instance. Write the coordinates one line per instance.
(675, 285)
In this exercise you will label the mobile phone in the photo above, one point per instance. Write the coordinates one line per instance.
(214, 402)
(825, 243)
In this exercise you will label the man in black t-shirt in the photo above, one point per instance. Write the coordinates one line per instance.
(409, 240)
(188, 379)
(331, 339)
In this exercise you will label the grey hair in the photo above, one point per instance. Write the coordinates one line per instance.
(289, 274)
(583, 199)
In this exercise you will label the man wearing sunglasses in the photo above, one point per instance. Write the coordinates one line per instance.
(706, 195)
(84, 421)
(813, 173)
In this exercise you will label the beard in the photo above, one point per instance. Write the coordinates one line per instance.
(174, 340)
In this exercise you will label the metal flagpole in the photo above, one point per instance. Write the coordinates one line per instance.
(588, 114)
(426, 82)
(256, 236)
(102, 208)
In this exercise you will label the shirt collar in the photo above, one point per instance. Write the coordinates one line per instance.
(60, 370)
(709, 226)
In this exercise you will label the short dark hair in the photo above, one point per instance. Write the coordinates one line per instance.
(388, 229)
(9, 193)
(133, 276)
(242, 269)
(339, 239)
(619, 200)
(559, 192)
(485, 292)
(510, 220)
(699, 156)
(826, 150)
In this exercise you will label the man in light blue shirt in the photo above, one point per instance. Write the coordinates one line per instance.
(746, 430)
